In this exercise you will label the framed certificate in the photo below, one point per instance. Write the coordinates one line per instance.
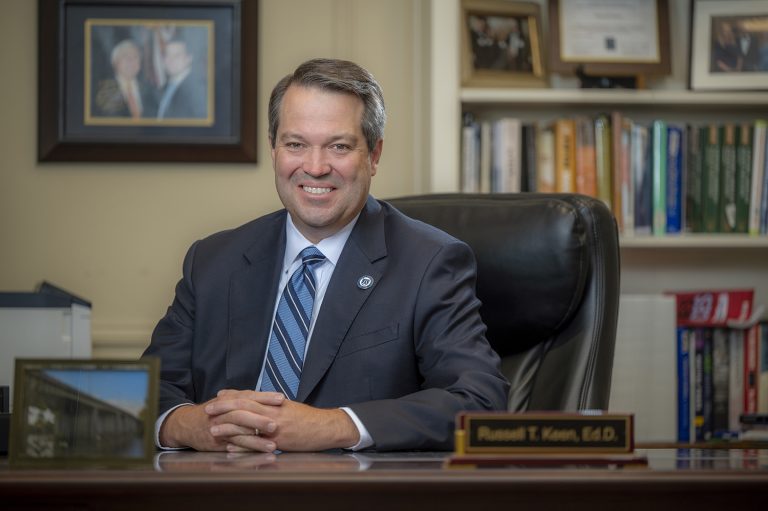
(606, 37)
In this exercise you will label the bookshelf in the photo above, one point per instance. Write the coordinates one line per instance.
(649, 264)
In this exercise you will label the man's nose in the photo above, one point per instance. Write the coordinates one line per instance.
(315, 163)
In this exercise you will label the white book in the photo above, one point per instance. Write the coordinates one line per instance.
(758, 175)
(470, 171)
(507, 154)
(545, 159)
(486, 141)
(644, 380)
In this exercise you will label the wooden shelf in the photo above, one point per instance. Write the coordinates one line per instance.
(719, 241)
(551, 97)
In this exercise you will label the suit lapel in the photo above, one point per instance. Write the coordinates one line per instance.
(251, 303)
(364, 255)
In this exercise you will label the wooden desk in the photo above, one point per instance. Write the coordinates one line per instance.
(674, 480)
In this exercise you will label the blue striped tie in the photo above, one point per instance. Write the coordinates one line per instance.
(291, 327)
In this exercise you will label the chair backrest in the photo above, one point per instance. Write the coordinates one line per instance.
(548, 278)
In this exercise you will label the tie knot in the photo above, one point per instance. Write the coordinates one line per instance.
(311, 256)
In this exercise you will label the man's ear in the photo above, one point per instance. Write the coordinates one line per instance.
(376, 155)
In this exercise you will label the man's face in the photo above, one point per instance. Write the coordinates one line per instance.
(322, 165)
(176, 59)
(128, 62)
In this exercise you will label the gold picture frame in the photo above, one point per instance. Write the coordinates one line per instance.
(632, 39)
(84, 413)
(501, 44)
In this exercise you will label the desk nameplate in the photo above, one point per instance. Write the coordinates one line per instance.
(553, 433)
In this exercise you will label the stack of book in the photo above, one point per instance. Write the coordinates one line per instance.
(722, 363)
(659, 178)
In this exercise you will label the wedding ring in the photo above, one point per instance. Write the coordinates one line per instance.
(255, 432)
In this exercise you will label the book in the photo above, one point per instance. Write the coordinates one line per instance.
(711, 179)
(759, 141)
(643, 181)
(603, 159)
(626, 187)
(720, 383)
(751, 375)
(693, 179)
(506, 155)
(735, 377)
(684, 338)
(486, 141)
(727, 206)
(470, 164)
(528, 157)
(659, 173)
(545, 159)
(714, 307)
(619, 148)
(565, 156)
(586, 171)
(674, 186)
(762, 378)
(743, 176)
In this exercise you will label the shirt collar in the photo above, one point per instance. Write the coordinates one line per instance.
(331, 246)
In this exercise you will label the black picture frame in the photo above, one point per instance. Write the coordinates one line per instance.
(82, 115)
(84, 412)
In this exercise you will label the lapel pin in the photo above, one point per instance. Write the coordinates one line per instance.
(365, 282)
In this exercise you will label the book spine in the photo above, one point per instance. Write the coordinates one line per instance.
(643, 185)
(586, 173)
(545, 159)
(659, 166)
(627, 183)
(698, 385)
(603, 158)
(758, 171)
(727, 210)
(683, 385)
(674, 195)
(565, 156)
(528, 167)
(617, 156)
(708, 384)
(693, 221)
(486, 143)
(736, 378)
(762, 380)
(470, 172)
(743, 176)
(720, 383)
(711, 181)
(750, 370)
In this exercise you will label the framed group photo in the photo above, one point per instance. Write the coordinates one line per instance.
(172, 80)
(729, 45)
(501, 44)
(71, 412)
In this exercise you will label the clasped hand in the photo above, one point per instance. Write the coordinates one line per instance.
(246, 420)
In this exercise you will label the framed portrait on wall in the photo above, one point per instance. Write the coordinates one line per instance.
(171, 80)
(729, 45)
(501, 44)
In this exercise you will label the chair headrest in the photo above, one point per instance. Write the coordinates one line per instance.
(532, 259)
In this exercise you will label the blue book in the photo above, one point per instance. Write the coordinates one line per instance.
(683, 385)
(674, 191)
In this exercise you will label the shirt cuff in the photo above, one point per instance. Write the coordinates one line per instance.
(159, 424)
(365, 437)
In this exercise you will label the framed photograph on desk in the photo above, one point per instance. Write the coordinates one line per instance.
(171, 80)
(501, 44)
(729, 45)
(605, 37)
(95, 413)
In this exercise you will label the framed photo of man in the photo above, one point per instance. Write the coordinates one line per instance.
(729, 45)
(171, 80)
(501, 44)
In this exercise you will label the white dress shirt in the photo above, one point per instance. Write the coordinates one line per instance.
(331, 248)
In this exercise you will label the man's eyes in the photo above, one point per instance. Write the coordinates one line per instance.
(341, 148)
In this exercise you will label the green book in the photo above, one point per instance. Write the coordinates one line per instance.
(727, 208)
(659, 176)
(743, 176)
(711, 178)
(693, 220)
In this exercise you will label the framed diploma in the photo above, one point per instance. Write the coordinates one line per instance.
(609, 37)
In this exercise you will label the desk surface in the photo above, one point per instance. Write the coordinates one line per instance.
(674, 479)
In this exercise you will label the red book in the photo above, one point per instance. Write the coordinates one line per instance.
(714, 307)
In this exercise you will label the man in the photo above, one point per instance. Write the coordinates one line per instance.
(185, 94)
(393, 336)
(124, 95)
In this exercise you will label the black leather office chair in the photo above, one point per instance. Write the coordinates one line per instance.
(548, 278)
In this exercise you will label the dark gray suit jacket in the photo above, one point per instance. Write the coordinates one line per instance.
(405, 355)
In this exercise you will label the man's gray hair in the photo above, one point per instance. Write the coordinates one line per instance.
(336, 76)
